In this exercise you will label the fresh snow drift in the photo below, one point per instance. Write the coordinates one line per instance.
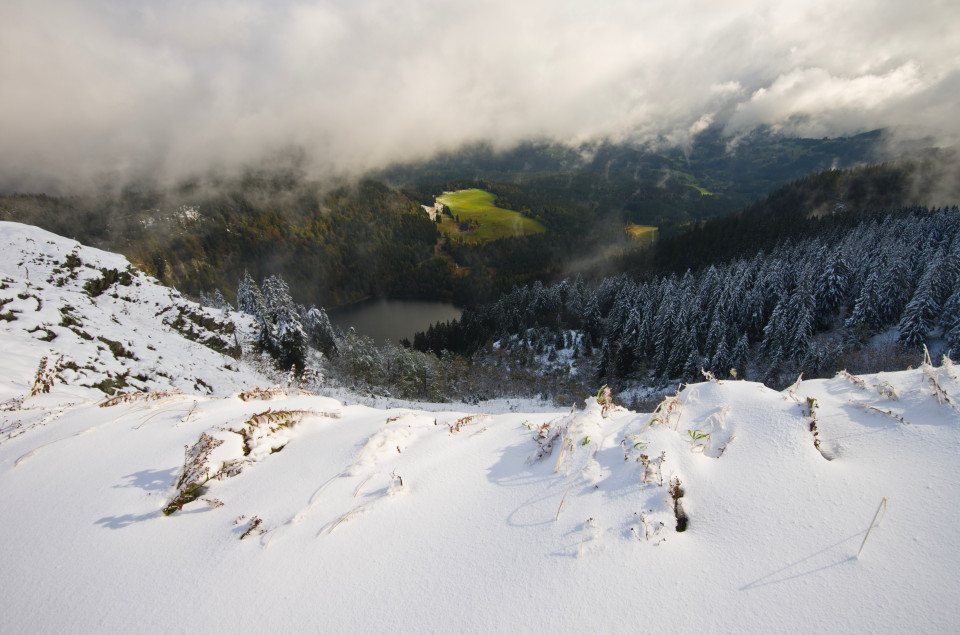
(321, 516)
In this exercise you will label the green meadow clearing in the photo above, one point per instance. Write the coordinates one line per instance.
(646, 234)
(487, 221)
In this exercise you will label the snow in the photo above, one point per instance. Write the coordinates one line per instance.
(421, 519)
(44, 294)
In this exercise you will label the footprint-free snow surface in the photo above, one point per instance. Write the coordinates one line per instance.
(206, 500)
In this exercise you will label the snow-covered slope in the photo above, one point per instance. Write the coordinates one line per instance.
(330, 518)
(105, 324)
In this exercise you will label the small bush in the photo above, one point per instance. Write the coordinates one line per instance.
(108, 277)
(72, 261)
(112, 384)
(196, 473)
(117, 348)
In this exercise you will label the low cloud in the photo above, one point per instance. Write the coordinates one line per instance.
(96, 91)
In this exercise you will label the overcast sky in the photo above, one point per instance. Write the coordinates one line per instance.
(166, 88)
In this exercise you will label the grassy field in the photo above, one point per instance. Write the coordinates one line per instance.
(487, 221)
(646, 234)
(689, 180)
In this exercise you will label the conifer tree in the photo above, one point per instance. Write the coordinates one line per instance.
(802, 308)
(249, 297)
(831, 288)
(720, 362)
(320, 331)
(692, 366)
(280, 331)
(924, 307)
(893, 285)
(218, 301)
(865, 316)
(739, 356)
(950, 316)
(776, 332)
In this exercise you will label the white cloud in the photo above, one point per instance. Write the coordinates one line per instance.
(93, 87)
(812, 102)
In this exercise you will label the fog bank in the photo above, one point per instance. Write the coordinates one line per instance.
(98, 91)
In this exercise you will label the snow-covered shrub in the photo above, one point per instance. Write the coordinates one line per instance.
(196, 472)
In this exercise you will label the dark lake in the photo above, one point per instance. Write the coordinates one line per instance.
(392, 320)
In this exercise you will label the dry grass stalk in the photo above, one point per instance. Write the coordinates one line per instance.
(364, 482)
(547, 435)
(394, 477)
(12, 404)
(313, 499)
(254, 528)
(316, 495)
(46, 374)
(53, 415)
(567, 491)
(938, 391)
(32, 452)
(874, 522)
(665, 409)
(888, 413)
(930, 374)
(853, 379)
(155, 414)
(262, 393)
(348, 515)
(190, 413)
(269, 422)
(455, 427)
(567, 444)
(590, 524)
(791, 392)
(885, 390)
(137, 396)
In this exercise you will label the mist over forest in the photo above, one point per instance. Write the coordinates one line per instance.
(100, 95)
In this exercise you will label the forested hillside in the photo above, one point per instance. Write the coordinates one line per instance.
(819, 203)
(332, 247)
(809, 305)
(662, 185)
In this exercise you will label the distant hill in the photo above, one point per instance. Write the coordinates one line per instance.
(664, 186)
(818, 203)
